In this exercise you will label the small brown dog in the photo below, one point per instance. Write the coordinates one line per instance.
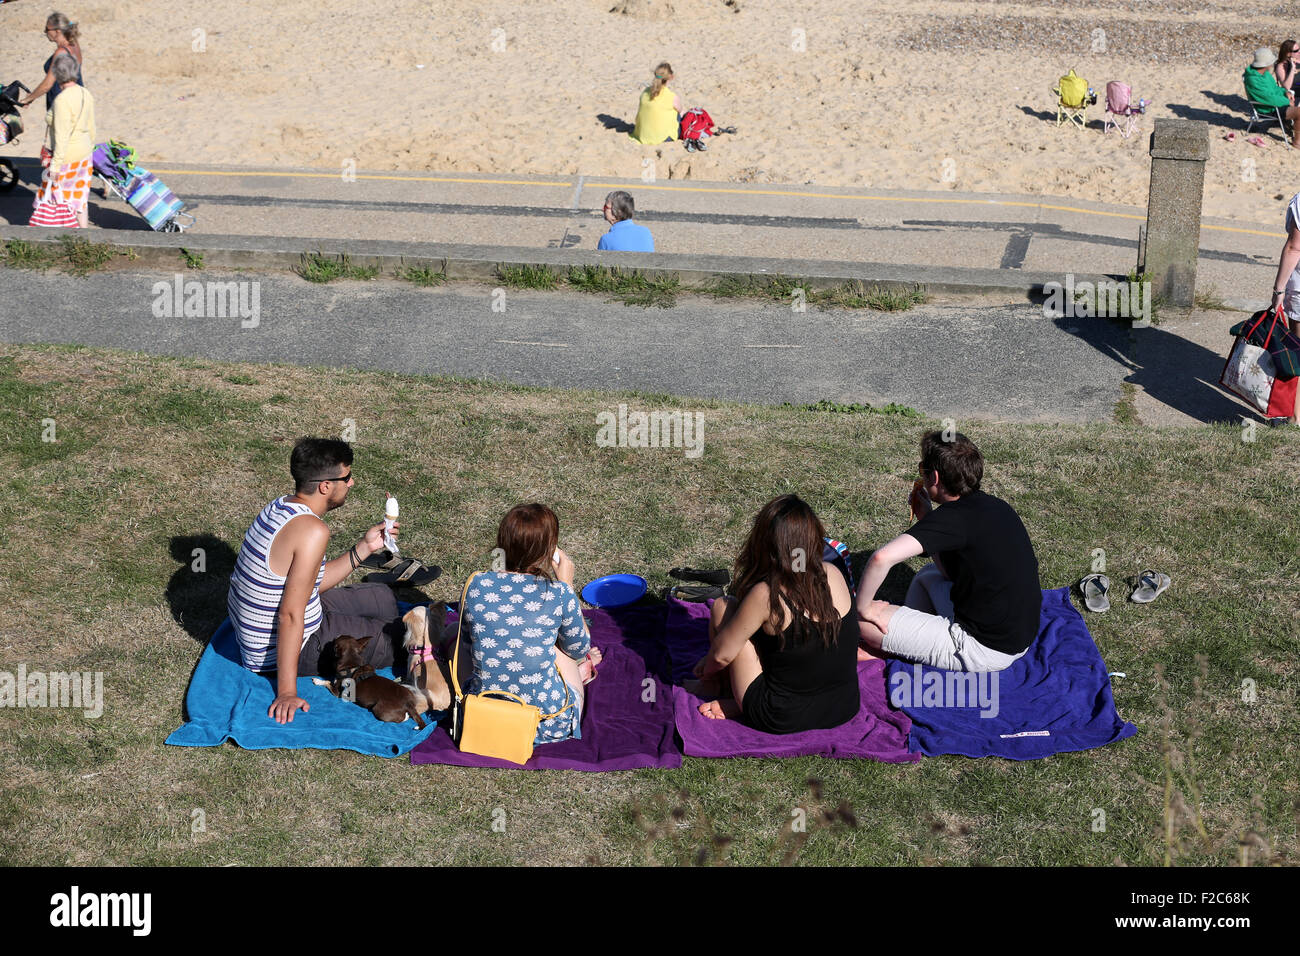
(423, 671)
(386, 699)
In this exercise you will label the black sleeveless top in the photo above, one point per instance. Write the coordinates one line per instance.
(804, 685)
(56, 89)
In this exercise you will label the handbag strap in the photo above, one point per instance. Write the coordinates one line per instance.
(455, 659)
(460, 627)
(49, 127)
(1276, 312)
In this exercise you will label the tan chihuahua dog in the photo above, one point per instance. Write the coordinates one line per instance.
(423, 673)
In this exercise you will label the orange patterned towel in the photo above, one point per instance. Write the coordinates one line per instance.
(62, 194)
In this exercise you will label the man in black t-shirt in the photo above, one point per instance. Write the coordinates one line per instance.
(976, 606)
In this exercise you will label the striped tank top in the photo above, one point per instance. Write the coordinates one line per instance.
(255, 590)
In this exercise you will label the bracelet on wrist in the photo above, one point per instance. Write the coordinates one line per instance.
(353, 558)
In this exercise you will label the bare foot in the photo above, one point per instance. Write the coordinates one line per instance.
(720, 709)
(587, 669)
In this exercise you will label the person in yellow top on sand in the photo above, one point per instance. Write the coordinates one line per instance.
(66, 182)
(659, 112)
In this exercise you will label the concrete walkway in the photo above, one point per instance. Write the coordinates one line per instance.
(964, 361)
(1014, 234)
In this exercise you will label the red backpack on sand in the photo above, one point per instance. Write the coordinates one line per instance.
(696, 122)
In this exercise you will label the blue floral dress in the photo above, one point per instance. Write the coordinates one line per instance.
(515, 622)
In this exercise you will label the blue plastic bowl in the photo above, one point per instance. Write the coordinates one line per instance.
(614, 590)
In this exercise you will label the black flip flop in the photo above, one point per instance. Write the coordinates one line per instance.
(381, 560)
(699, 593)
(406, 573)
(719, 578)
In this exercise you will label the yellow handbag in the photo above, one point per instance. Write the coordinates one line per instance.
(494, 723)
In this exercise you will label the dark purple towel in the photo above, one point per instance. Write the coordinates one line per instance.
(1054, 699)
(627, 721)
(878, 732)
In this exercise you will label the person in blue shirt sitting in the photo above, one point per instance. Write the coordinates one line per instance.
(624, 235)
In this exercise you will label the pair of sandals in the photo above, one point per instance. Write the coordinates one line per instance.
(1095, 589)
(399, 572)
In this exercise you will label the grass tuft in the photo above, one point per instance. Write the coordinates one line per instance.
(422, 276)
(778, 288)
(1125, 407)
(318, 267)
(75, 254)
(855, 408)
(1209, 299)
(631, 288)
(857, 295)
(528, 277)
(21, 254)
(83, 257)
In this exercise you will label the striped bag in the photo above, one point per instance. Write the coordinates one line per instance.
(54, 214)
(151, 199)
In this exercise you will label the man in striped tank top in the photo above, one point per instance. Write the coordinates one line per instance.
(280, 603)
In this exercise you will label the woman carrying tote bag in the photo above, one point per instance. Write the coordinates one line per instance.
(64, 195)
(523, 630)
(1286, 291)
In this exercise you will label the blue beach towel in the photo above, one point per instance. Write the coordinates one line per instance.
(226, 701)
(1056, 698)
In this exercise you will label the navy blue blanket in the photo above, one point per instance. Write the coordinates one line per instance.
(1056, 698)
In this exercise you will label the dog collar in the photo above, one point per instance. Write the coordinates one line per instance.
(425, 653)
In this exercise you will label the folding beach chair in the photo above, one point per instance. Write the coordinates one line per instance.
(1121, 111)
(1072, 100)
(1266, 116)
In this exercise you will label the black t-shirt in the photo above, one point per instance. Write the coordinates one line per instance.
(985, 550)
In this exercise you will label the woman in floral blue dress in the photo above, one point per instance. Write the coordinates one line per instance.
(524, 626)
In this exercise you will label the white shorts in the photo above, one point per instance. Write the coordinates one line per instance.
(936, 638)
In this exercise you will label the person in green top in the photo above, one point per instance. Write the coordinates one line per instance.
(1262, 89)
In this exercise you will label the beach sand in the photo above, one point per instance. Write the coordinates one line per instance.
(891, 94)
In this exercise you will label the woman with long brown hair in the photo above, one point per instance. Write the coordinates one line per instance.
(523, 626)
(787, 642)
(1284, 70)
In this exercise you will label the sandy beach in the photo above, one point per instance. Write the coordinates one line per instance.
(885, 93)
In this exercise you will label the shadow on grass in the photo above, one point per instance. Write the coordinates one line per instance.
(197, 590)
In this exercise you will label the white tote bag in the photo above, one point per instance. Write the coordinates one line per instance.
(1249, 374)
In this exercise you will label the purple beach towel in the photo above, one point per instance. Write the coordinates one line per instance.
(1056, 698)
(627, 721)
(878, 732)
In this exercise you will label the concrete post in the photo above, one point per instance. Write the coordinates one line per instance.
(1172, 236)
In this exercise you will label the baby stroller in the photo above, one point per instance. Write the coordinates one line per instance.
(123, 177)
(11, 126)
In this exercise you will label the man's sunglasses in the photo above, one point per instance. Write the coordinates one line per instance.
(340, 478)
